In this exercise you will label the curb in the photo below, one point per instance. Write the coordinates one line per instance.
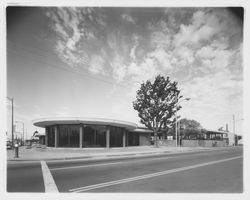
(108, 156)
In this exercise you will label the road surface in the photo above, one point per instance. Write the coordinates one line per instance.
(217, 171)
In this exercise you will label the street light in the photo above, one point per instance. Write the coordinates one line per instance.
(23, 130)
(176, 132)
(234, 126)
(12, 118)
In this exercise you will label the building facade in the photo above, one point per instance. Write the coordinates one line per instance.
(91, 133)
(108, 133)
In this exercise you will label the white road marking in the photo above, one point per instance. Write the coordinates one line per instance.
(49, 183)
(110, 163)
(127, 180)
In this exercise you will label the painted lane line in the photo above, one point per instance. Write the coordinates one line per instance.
(49, 183)
(127, 180)
(103, 164)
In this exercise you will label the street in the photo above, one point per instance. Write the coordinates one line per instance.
(216, 171)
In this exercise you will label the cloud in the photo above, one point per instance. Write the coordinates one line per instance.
(185, 54)
(118, 68)
(162, 57)
(75, 31)
(96, 64)
(160, 39)
(201, 48)
(206, 52)
(133, 49)
(205, 25)
(128, 18)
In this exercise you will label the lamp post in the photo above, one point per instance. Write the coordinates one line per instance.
(23, 131)
(234, 121)
(12, 118)
(176, 125)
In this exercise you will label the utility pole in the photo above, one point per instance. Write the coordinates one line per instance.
(233, 129)
(22, 140)
(176, 133)
(176, 123)
(12, 120)
(233, 124)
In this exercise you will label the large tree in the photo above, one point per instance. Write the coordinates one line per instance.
(157, 103)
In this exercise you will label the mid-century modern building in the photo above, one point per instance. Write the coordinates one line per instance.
(76, 132)
(92, 132)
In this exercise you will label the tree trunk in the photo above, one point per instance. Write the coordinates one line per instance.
(155, 139)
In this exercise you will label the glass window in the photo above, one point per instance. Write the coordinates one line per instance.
(94, 136)
(69, 135)
(63, 136)
(89, 136)
(74, 134)
(100, 136)
(116, 136)
(51, 136)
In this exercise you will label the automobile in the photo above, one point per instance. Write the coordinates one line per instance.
(8, 145)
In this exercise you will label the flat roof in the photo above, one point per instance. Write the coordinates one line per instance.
(216, 131)
(43, 122)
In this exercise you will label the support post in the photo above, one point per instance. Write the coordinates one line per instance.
(107, 137)
(124, 138)
(56, 136)
(46, 136)
(80, 137)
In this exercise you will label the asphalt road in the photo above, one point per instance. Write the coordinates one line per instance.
(218, 171)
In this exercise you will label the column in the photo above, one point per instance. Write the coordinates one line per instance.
(107, 137)
(80, 138)
(56, 136)
(124, 138)
(46, 136)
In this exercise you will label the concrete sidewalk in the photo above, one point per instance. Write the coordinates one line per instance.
(37, 153)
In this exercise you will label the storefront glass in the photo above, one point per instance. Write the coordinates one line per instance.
(94, 136)
(116, 137)
(51, 136)
(68, 135)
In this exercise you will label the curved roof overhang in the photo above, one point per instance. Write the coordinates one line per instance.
(43, 122)
(142, 130)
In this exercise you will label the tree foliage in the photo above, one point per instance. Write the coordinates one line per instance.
(157, 103)
(190, 124)
(190, 129)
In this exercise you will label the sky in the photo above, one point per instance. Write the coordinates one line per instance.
(90, 61)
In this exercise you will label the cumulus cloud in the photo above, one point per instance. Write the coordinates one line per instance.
(201, 48)
(74, 29)
(96, 64)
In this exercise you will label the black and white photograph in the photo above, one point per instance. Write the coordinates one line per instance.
(124, 99)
